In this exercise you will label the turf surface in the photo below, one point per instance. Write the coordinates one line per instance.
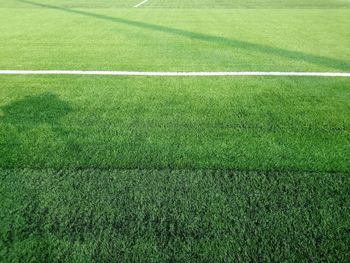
(98, 169)
(49, 36)
(241, 123)
(160, 216)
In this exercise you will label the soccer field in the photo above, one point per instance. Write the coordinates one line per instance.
(98, 168)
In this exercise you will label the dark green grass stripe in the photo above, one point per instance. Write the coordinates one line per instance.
(325, 127)
(158, 216)
(209, 170)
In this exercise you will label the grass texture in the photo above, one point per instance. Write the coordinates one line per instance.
(153, 169)
(173, 216)
(240, 123)
(49, 36)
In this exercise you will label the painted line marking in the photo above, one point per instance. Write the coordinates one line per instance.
(173, 74)
(140, 4)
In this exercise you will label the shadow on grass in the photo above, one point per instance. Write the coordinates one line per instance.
(27, 122)
(294, 55)
(46, 108)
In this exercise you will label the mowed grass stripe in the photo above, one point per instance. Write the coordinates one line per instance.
(174, 40)
(193, 4)
(261, 123)
(158, 216)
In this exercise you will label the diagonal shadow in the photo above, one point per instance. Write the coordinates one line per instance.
(294, 55)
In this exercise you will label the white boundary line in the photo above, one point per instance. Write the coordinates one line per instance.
(141, 3)
(173, 74)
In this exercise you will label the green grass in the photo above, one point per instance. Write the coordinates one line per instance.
(197, 4)
(229, 123)
(52, 36)
(159, 216)
(153, 169)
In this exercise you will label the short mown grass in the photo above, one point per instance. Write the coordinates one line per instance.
(157, 170)
(152, 169)
(173, 216)
(246, 123)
